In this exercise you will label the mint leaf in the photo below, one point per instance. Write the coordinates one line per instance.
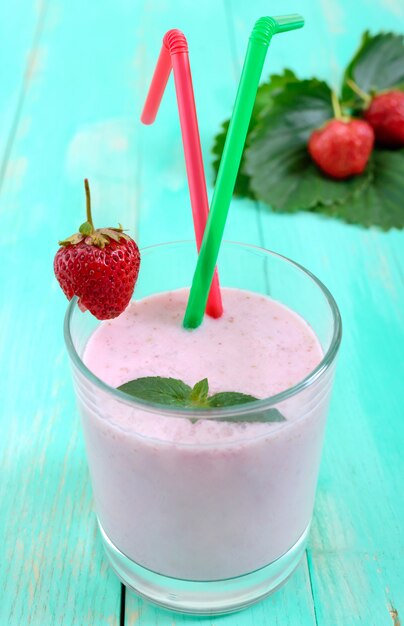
(199, 393)
(174, 392)
(377, 65)
(282, 174)
(263, 101)
(381, 203)
(167, 391)
(231, 398)
(269, 415)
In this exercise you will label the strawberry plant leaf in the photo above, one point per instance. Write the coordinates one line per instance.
(377, 65)
(282, 174)
(381, 203)
(263, 101)
(242, 187)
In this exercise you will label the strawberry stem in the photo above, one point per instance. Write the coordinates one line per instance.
(88, 203)
(336, 106)
(359, 92)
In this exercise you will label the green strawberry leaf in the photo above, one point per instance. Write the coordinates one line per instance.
(282, 173)
(381, 203)
(263, 101)
(174, 392)
(167, 391)
(377, 65)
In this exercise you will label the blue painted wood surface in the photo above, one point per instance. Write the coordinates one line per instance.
(73, 80)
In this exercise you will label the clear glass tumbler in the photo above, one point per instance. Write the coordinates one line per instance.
(208, 528)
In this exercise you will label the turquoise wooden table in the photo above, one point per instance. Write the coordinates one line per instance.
(73, 78)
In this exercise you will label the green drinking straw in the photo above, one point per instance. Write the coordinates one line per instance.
(260, 37)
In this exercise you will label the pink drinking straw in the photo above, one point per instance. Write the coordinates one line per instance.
(174, 54)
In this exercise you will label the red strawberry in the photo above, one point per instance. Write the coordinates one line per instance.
(99, 266)
(342, 148)
(386, 115)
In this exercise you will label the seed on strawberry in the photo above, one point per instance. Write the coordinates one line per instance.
(100, 267)
(386, 115)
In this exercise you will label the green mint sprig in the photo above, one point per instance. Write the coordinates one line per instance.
(173, 392)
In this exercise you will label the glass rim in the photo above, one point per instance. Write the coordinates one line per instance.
(232, 411)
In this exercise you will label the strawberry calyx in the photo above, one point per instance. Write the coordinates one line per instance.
(91, 236)
(100, 237)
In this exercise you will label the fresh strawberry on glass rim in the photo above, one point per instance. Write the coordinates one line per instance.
(99, 266)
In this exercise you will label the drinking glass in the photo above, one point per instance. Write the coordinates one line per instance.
(208, 527)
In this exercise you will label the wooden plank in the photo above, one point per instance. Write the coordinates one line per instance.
(20, 32)
(78, 115)
(358, 527)
(357, 533)
(85, 123)
(355, 546)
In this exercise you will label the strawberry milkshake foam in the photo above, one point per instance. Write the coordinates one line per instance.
(206, 499)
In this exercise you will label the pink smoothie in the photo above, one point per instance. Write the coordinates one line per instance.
(206, 500)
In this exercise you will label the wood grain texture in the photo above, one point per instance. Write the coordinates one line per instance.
(78, 120)
(80, 117)
(357, 537)
(20, 34)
